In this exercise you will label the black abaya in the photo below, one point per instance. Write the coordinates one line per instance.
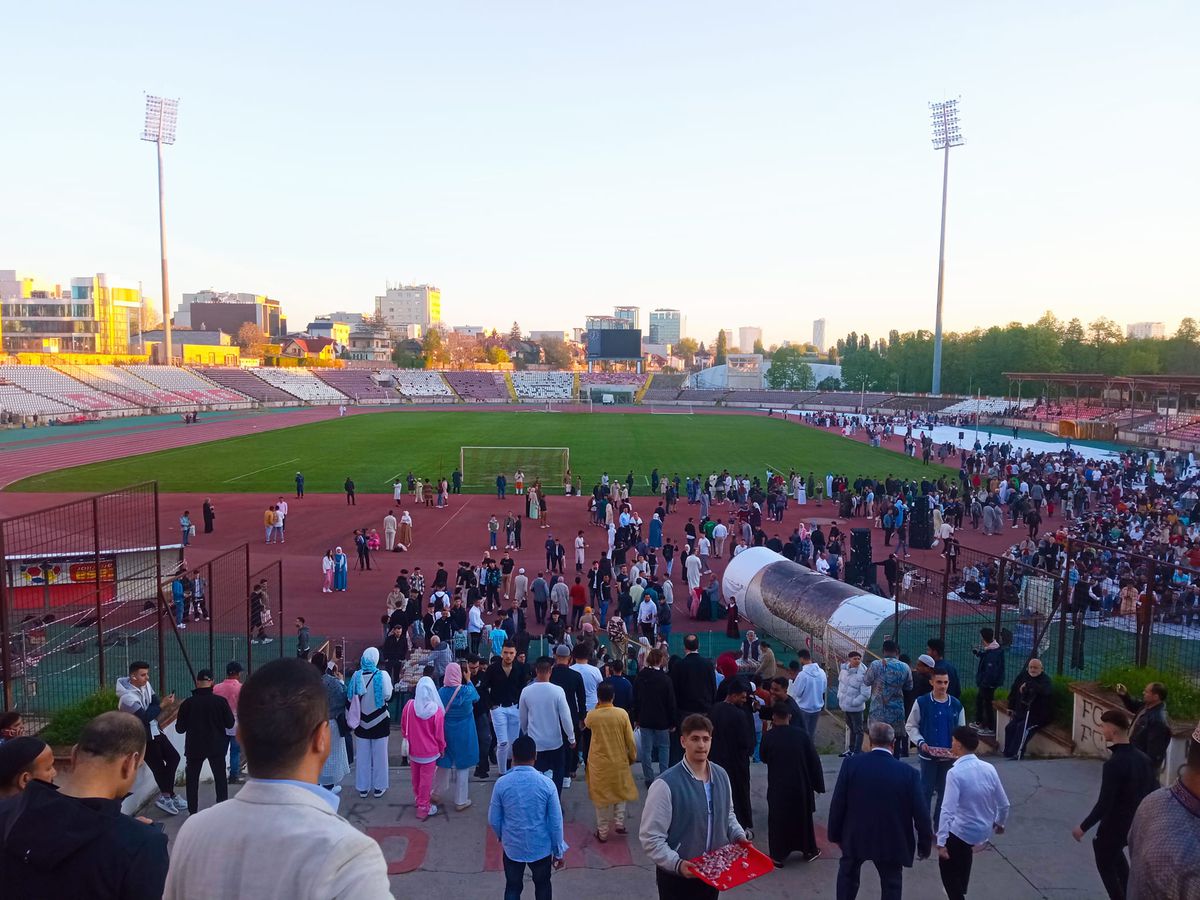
(732, 744)
(793, 775)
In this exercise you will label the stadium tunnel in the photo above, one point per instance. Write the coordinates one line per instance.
(804, 609)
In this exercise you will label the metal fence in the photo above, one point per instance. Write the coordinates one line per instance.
(87, 588)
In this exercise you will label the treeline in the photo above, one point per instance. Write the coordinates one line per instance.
(976, 360)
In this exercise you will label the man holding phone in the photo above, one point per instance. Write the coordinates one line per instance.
(136, 696)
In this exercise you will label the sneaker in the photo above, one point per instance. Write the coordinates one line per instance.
(433, 810)
(267, 640)
(566, 783)
(480, 776)
(167, 805)
(986, 731)
(180, 803)
(809, 857)
(379, 794)
(364, 794)
(845, 754)
(333, 788)
(182, 625)
(461, 806)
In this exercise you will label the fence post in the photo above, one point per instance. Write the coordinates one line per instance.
(210, 609)
(99, 600)
(249, 643)
(1063, 606)
(1002, 578)
(945, 600)
(162, 606)
(5, 638)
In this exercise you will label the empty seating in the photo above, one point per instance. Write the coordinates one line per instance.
(663, 386)
(702, 395)
(478, 386)
(126, 385)
(778, 397)
(186, 383)
(19, 401)
(244, 381)
(419, 383)
(50, 382)
(301, 383)
(987, 406)
(357, 383)
(599, 379)
(544, 385)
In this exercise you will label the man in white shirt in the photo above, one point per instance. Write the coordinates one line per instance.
(520, 587)
(647, 616)
(580, 547)
(703, 548)
(822, 563)
(975, 806)
(720, 533)
(808, 690)
(546, 717)
(474, 626)
(591, 675)
(389, 532)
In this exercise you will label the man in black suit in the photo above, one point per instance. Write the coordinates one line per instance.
(877, 805)
(695, 681)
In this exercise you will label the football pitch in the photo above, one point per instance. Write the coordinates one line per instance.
(374, 449)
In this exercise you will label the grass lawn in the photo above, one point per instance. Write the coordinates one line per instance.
(374, 449)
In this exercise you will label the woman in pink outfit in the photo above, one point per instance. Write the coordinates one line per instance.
(423, 725)
(327, 572)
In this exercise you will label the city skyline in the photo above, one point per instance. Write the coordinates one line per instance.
(543, 165)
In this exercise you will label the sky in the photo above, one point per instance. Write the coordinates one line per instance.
(763, 164)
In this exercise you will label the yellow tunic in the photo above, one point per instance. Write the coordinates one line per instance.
(612, 752)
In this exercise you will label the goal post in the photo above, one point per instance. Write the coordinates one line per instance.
(481, 465)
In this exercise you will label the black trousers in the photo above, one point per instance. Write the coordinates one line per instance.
(956, 871)
(985, 713)
(676, 887)
(163, 762)
(514, 878)
(216, 762)
(1112, 865)
(891, 879)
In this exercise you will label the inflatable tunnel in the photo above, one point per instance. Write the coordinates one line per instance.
(805, 609)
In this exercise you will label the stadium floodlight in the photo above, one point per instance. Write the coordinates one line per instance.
(161, 116)
(946, 134)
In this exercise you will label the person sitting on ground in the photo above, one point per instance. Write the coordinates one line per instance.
(73, 841)
(280, 836)
(1030, 707)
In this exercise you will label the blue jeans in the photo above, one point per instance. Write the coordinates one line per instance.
(492, 539)
(649, 740)
(603, 613)
(810, 723)
(514, 878)
(180, 608)
(665, 631)
(187, 533)
(235, 758)
(933, 778)
(854, 724)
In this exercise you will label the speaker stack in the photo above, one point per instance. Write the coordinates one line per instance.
(920, 525)
(860, 571)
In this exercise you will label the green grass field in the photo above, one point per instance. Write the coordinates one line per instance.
(374, 449)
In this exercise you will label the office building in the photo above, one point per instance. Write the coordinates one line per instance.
(229, 311)
(607, 323)
(818, 337)
(417, 304)
(629, 313)
(748, 336)
(1141, 331)
(91, 316)
(666, 326)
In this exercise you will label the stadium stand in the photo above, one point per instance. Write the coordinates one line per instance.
(478, 386)
(419, 384)
(599, 379)
(244, 381)
(702, 395)
(126, 385)
(358, 384)
(664, 387)
(301, 383)
(778, 398)
(187, 384)
(544, 385)
(20, 402)
(50, 382)
(987, 406)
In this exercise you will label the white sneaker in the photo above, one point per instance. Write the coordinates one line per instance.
(433, 810)
(180, 803)
(267, 640)
(566, 783)
(167, 805)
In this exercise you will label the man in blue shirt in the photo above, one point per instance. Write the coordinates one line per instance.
(527, 818)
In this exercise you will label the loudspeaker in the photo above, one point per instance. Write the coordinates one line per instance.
(859, 570)
(920, 524)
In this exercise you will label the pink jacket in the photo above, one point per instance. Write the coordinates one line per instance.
(426, 737)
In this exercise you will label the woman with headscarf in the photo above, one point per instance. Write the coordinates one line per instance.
(404, 534)
(341, 569)
(372, 687)
(618, 638)
(327, 572)
(423, 725)
(656, 535)
(644, 649)
(462, 741)
(336, 766)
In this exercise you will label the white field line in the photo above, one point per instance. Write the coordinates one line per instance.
(263, 469)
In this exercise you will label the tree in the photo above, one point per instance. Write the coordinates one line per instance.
(789, 371)
(1188, 331)
(434, 349)
(408, 355)
(556, 353)
(514, 333)
(759, 348)
(829, 384)
(250, 339)
(686, 348)
(722, 348)
(497, 355)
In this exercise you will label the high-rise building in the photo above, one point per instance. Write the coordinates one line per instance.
(748, 336)
(629, 313)
(92, 316)
(666, 326)
(819, 335)
(729, 344)
(418, 304)
(1140, 331)
(228, 311)
(606, 323)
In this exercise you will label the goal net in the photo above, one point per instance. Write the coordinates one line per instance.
(481, 465)
(685, 410)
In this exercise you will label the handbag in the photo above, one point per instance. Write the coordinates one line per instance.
(354, 713)
(191, 530)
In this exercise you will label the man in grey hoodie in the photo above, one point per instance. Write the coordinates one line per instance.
(136, 696)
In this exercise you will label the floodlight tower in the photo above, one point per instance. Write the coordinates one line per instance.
(946, 134)
(161, 114)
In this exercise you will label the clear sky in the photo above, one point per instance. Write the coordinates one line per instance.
(751, 164)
